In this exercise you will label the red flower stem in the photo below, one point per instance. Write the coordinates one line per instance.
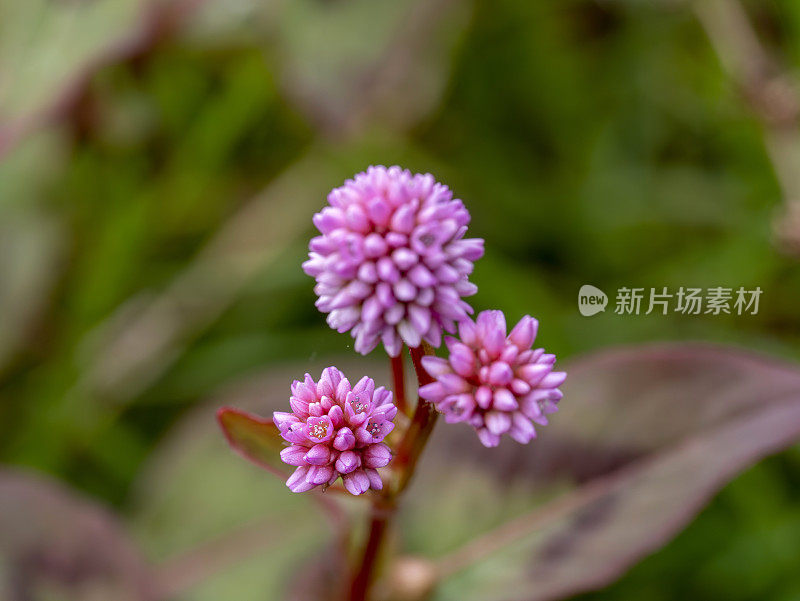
(398, 377)
(408, 452)
(422, 423)
(381, 514)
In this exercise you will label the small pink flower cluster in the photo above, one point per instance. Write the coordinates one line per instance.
(392, 262)
(336, 430)
(495, 383)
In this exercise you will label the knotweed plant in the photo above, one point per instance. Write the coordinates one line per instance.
(392, 264)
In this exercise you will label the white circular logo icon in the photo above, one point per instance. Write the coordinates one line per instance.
(591, 300)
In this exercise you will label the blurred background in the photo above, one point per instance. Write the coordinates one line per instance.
(161, 162)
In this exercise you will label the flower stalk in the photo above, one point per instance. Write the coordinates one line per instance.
(381, 514)
(398, 379)
(384, 505)
(422, 423)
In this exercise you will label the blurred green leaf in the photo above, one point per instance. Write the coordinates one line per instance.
(48, 48)
(31, 248)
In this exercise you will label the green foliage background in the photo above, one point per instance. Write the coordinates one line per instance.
(593, 142)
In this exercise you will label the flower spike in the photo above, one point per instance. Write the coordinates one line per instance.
(495, 382)
(336, 430)
(392, 263)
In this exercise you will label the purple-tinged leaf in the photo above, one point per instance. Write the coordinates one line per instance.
(57, 545)
(645, 437)
(255, 438)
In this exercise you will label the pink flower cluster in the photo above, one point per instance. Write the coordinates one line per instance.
(392, 263)
(336, 430)
(496, 383)
(392, 266)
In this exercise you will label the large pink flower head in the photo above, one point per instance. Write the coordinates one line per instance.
(334, 430)
(496, 383)
(392, 263)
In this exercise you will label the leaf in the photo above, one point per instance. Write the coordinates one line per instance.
(49, 49)
(56, 545)
(253, 437)
(645, 437)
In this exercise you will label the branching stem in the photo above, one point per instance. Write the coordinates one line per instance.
(405, 461)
